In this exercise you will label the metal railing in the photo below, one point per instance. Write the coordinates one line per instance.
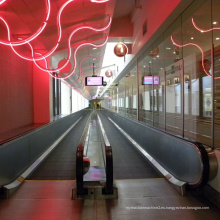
(108, 161)
(79, 161)
(107, 157)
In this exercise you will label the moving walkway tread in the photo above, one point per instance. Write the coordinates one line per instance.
(128, 163)
(61, 163)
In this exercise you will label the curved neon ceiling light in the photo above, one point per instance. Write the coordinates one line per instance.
(51, 74)
(81, 71)
(69, 43)
(99, 1)
(196, 45)
(74, 56)
(2, 1)
(69, 47)
(26, 41)
(81, 83)
(203, 30)
(37, 33)
(58, 39)
(46, 65)
(192, 44)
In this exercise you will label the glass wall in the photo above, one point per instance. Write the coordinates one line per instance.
(158, 87)
(173, 67)
(178, 78)
(196, 47)
(145, 88)
(216, 67)
(121, 97)
(131, 93)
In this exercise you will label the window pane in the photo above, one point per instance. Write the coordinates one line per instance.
(174, 71)
(145, 91)
(216, 43)
(131, 93)
(197, 71)
(121, 97)
(158, 85)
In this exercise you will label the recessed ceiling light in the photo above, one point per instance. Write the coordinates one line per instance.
(215, 22)
(168, 48)
(192, 38)
(217, 38)
(94, 48)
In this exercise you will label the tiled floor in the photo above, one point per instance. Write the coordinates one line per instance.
(151, 199)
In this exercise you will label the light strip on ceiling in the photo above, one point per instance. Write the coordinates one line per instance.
(99, 1)
(69, 48)
(203, 30)
(74, 58)
(80, 65)
(37, 33)
(192, 44)
(203, 56)
(37, 56)
(59, 28)
(2, 1)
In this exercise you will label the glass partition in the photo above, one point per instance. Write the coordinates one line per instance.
(178, 78)
(131, 93)
(216, 80)
(173, 67)
(158, 87)
(196, 47)
(145, 88)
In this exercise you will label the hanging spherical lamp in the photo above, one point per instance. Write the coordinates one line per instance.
(108, 73)
(120, 49)
(128, 74)
(67, 68)
(205, 65)
(154, 52)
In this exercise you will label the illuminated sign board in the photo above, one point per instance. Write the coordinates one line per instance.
(149, 80)
(94, 81)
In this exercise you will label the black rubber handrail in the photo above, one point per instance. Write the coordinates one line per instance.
(79, 170)
(108, 159)
(109, 171)
(209, 165)
(79, 162)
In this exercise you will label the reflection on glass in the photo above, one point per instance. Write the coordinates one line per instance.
(181, 101)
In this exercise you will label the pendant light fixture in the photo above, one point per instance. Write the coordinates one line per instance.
(120, 49)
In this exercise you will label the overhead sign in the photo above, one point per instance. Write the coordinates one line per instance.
(149, 80)
(94, 81)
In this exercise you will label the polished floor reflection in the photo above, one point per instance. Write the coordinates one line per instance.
(151, 199)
